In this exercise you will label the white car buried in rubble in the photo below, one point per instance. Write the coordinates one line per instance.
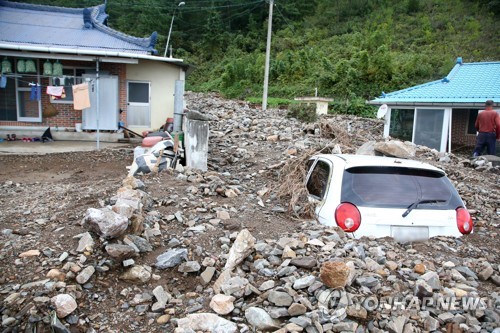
(385, 197)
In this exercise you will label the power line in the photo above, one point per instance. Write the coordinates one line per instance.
(284, 18)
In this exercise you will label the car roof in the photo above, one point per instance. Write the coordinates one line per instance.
(352, 161)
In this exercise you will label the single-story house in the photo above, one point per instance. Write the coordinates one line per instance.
(441, 114)
(44, 48)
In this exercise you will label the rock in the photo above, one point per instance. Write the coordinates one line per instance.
(367, 148)
(242, 247)
(396, 325)
(133, 183)
(207, 322)
(346, 326)
(142, 244)
(304, 262)
(9, 321)
(30, 253)
(133, 198)
(128, 262)
(162, 298)
(55, 274)
(64, 304)
(296, 309)
(120, 251)
(105, 222)
(137, 274)
(85, 274)
(267, 285)
(162, 320)
(391, 265)
(431, 324)
(466, 271)
(304, 282)
(419, 269)
(123, 209)
(222, 304)
(395, 149)
(136, 225)
(288, 253)
(422, 289)
(432, 279)
(357, 311)
(280, 298)
(234, 286)
(223, 215)
(277, 312)
(486, 272)
(207, 275)
(260, 319)
(273, 138)
(189, 267)
(367, 281)
(171, 258)
(334, 274)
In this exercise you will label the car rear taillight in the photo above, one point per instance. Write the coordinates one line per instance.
(348, 217)
(464, 221)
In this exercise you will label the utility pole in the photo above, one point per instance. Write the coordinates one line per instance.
(268, 54)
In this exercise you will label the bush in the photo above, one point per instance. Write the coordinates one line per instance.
(303, 112)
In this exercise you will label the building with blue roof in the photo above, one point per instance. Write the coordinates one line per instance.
(46, 46)
(441, 114)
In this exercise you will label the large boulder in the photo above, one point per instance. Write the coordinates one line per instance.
(105, 222)
(395, 149)
(334, 274)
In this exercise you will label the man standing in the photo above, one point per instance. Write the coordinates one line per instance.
(488, 126)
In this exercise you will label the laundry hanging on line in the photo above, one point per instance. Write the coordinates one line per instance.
(36, 92)
(56, 92)
(81, 98)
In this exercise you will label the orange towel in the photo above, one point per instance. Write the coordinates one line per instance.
(81, 98)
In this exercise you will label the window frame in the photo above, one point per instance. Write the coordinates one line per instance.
(326, 187)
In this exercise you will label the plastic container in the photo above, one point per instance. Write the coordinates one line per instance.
(150, 141)
(78, 127)
(170, 125)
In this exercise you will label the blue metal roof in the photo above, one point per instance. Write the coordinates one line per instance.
(73, 28)
(467, 83)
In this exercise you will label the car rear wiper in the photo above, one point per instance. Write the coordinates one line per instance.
(418, 202)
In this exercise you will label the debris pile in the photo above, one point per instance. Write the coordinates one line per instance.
(216, 251)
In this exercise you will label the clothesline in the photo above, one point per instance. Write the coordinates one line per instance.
(30, 83)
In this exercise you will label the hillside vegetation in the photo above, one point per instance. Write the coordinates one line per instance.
(350, 50)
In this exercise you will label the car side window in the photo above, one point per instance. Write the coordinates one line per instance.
(318, 181)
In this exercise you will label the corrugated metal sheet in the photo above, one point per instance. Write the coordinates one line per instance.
(62, 29)
(466, 83)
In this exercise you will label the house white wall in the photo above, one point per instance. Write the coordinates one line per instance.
(162, 77)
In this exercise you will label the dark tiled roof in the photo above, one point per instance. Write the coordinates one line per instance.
(466, 83)
(48, 26)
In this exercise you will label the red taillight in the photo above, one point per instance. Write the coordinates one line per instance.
(348, 217)
(464, 221)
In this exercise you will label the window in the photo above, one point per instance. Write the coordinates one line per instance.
(16, 100)
(318, 181)
(8, 105)
(402, 124)
(397, 187)
(71, 76)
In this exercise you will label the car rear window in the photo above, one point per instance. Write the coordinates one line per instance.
(397, 187)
